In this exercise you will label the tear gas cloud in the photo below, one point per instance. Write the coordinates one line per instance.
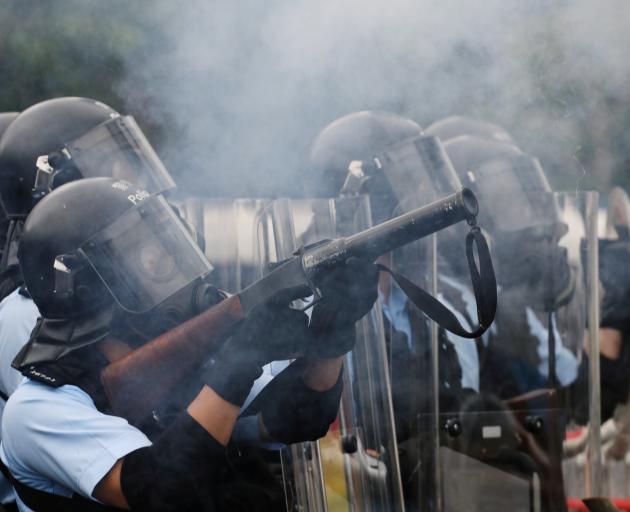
(247, 85)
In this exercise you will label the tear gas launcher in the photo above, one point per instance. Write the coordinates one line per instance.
(140, 381)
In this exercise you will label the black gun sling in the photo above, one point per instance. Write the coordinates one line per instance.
(484, 287)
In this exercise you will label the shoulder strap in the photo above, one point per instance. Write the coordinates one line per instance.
(41, 501)
(484, 287)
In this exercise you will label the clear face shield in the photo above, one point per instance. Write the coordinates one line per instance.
(419, 172)
(410, 174)
(145, 256)
(527, 227)
(407, 175)
(116, 148)
(515, 189)
(501, 444)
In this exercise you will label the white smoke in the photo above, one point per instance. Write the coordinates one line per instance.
(249, 84)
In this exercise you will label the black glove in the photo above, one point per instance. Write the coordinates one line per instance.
(270, 332)
(348, 293)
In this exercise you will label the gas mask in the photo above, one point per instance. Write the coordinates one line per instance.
(533, 262)
(188, 302)
(525, 222)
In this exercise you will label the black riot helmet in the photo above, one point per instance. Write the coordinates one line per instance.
(98, 241)
(519, 209)
(6, 118)
(354, 137)
(93, 250)
(383, 155)
(454, 126)
(510, 185)
(63, 139)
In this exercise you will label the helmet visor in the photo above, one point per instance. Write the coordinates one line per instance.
(419, 172)
(145, 256)
(119, 149)
(515, 193)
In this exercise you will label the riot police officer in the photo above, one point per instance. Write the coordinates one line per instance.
(348, 147)
(524, 351)
(387, 157)
(118, 251)
(533, 269)
(63, 139)
(51, 143)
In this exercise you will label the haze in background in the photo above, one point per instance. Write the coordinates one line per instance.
(234, 92)
(251, 83)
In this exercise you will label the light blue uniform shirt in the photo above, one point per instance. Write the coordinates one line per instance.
(18, 316)
(566, 361)
(465, 348)
(57, 441)
(41, 449)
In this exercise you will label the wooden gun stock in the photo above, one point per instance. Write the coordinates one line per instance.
(139, 382)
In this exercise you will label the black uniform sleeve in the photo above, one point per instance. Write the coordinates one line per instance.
(177, 472)
(291, 411)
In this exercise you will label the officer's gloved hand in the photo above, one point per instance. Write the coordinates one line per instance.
(348, 294)
(270, 332)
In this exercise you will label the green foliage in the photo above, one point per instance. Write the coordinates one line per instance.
(68, 48)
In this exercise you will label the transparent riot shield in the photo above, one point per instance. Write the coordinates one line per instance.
(424, 378)
(509, 406)
(359, 457)
(355, 467)
(614, 278)
(241, 236)
(244, 237)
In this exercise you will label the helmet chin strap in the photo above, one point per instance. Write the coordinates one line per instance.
(359, 173)
(66, 267)
(53, 170)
